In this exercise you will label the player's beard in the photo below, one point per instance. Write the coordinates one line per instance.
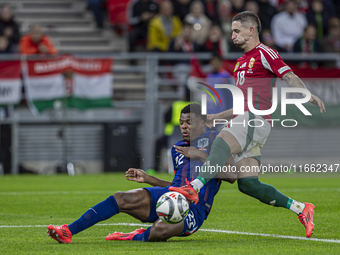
(241, 45)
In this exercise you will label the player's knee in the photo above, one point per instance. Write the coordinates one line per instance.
(123, 199)
(159, 232)
(248, 185)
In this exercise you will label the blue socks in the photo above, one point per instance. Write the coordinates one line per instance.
(144, 237)
(102, 211)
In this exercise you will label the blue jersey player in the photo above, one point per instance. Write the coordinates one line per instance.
(192, 151)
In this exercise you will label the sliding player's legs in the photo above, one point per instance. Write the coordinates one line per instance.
(134, 202)
(161, 231)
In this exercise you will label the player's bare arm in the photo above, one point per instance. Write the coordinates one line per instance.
(295, 82)
(226, 115)
(139, 175)
(192, 152)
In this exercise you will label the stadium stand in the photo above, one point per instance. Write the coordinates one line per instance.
(73, 29)
(70, 25)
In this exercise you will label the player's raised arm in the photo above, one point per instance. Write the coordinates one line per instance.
(225, 115)
(295, 82)
(192, 152)
(139, 175)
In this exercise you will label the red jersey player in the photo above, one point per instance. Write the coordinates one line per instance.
(258, 68)
(242, 144)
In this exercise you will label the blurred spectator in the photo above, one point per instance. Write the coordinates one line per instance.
(267, 39)
(266, 13)
(219, 75)
(140, 13)
(329, 8)
(318, 16)
(96, 7)
(35, 42)
(287, 26)
(307, 44)
(182, 43)
(181, 7)
(163, 28)
(224, 17)
(214, 43)
(8, 27)
(200, 23)
(332, 42)
(4, 45)
(237, 6)
(302, 6)
(252, 6)
(210, 9)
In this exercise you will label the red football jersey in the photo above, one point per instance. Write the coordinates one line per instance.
(258, 69)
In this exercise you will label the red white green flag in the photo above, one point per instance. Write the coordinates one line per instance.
(78, 82)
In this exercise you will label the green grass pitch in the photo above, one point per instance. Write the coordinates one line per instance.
(37, 201)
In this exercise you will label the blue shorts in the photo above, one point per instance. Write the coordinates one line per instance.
(192, 222)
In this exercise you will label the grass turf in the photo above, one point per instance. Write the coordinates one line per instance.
(43, 200)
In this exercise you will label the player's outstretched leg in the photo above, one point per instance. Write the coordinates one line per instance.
(134, 202)
(271, 196)
(102, 211)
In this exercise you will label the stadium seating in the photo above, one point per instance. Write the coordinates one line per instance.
(71, 27)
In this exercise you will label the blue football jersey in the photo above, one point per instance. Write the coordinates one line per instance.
(185, 168)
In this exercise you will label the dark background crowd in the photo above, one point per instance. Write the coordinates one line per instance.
(306, 26)
(205, 25)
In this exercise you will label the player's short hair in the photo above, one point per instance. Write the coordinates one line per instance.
(194, 108)
(247, 16)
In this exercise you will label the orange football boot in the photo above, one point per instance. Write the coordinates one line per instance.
(306, 218)
(60, 233)
(119, 236)
(188, 191)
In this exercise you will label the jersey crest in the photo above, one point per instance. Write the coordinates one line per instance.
(251, 63)
(236, 66)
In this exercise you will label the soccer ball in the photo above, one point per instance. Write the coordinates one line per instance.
(172, 207)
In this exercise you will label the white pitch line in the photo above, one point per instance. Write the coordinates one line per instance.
(55, 193)
(203, 230)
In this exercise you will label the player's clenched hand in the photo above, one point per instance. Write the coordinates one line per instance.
(316, 101)
(137, 175)
(188, 152)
